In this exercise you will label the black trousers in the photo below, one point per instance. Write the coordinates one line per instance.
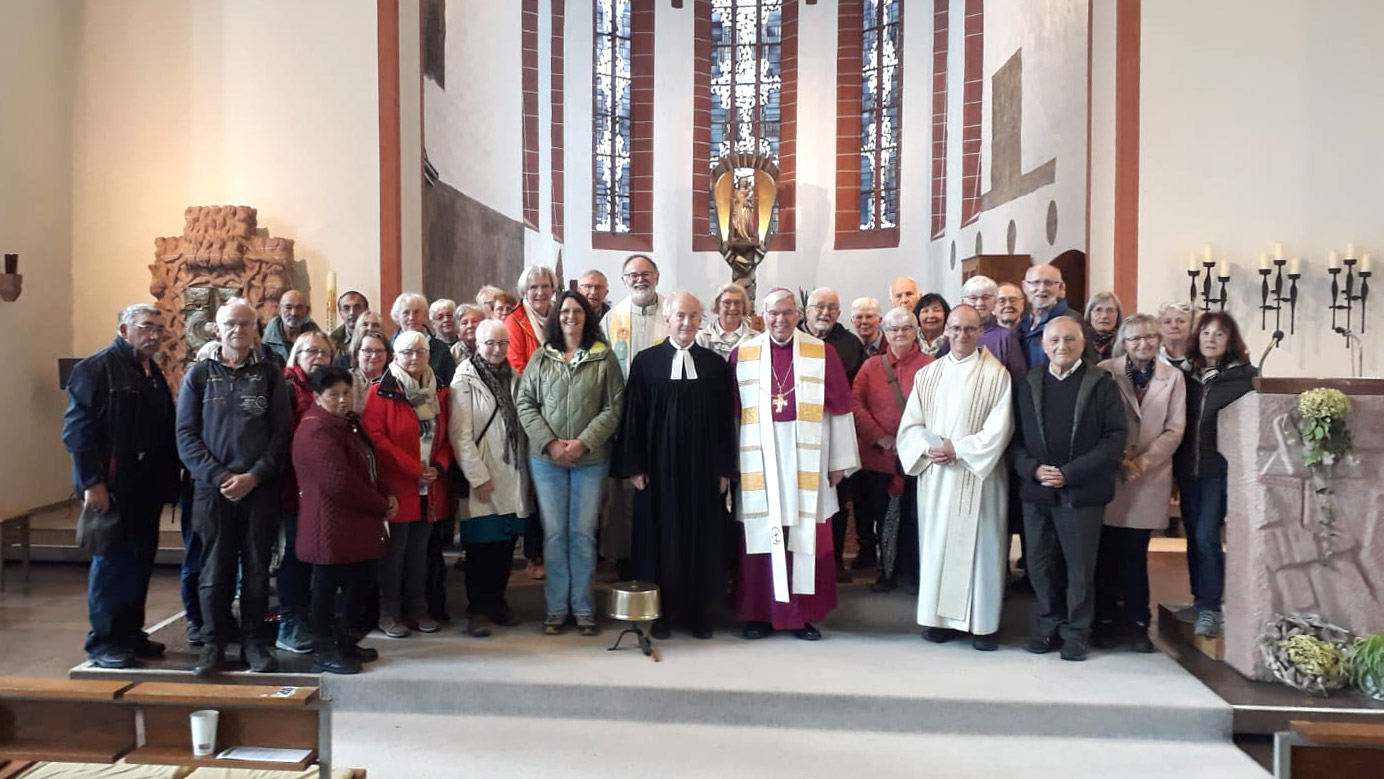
(1062, 548)
(871, 503)
(118, 581)
(845, 493)
(533, 537)
(237, 538)
(1122, 577)
(338, 588)
(442, 534)
(404, 569)
(487, 575)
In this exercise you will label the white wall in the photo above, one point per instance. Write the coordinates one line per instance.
(36, 76)
(266, 103)
(1260, 122)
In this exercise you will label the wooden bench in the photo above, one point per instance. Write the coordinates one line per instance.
(1329, 750)
(103, 722)
(15, 532)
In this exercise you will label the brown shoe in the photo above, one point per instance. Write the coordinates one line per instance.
(535, 571)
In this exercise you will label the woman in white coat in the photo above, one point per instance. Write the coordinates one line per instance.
(1154, 395)
(492, 456)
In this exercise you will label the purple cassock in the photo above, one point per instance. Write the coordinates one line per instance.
(754, 595)
(1004, 344)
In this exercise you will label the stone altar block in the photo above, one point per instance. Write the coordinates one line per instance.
(1274, 560)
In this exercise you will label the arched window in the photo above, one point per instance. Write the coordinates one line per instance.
(745, 101)
(869, 98)
(622, 124)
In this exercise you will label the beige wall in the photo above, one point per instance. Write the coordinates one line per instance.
(266, 103)
(36, 75)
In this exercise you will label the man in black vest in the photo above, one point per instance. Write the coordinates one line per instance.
(119, 429)
(1066, 452)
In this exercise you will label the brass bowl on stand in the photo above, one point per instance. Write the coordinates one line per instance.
(637, 603)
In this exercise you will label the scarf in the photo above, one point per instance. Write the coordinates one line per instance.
(421, 395)
(497, 379)
(1139, 378)
(1103, 342)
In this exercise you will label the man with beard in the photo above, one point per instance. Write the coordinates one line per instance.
(823, 311)
(1047, 300)
(349, 306)
(119, 429)
(797, 441)
(294, 319)
(677, 449)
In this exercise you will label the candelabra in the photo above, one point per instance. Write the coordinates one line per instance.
(1222, 275)
(1345, 299)
(1275, 293)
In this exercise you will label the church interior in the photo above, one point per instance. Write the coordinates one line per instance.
(1223, 152)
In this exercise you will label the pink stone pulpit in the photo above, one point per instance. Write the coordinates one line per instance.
(1275, 560)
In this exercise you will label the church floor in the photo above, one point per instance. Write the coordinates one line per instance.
(870, 698)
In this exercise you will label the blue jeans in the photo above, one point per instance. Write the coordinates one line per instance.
(1203, 513)
(191, 571)
(569, 500)
(295, 577)
(118, 581)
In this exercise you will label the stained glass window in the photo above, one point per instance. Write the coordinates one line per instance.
(746, 82)
(611, 140)
(880, 103)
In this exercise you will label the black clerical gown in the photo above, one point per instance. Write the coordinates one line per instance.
(681, 434)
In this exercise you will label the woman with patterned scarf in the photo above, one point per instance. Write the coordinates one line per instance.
(1103, 316)
(491, 451)
(406, 417)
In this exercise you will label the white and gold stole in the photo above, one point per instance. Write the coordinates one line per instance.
(766, 506)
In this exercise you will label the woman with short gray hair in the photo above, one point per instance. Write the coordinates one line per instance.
(1175, 321)
(730, 325)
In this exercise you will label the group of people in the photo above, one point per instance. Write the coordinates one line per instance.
(693, 451)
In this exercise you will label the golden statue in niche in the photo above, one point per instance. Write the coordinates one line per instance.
(744, 189)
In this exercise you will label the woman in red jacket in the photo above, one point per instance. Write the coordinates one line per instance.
(406, 418)
(878, 404)
(342, 509)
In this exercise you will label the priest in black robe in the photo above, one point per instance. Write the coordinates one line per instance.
(677, 448)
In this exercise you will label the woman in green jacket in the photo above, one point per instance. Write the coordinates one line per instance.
(569, 404)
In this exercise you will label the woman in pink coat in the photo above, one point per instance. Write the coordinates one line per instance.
(1154, 395)
(878, 407)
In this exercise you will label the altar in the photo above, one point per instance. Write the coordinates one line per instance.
(1280, 559)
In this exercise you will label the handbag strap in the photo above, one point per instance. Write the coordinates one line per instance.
(893, 381)
(486, 429)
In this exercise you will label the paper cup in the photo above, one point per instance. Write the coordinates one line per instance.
(204, 732)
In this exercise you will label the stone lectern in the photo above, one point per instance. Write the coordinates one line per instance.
(1277, 559)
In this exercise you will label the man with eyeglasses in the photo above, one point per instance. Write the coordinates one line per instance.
(865, 320)
(294, 319)
(953, 437)
(594, 286)
(630, 326)
(234, 425)
(1009, 305)
(980, 293)
(636, 323)
(1046, 301)
(119, 430)
(823, 311)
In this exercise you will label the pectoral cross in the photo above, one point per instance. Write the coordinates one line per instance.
(779, 402)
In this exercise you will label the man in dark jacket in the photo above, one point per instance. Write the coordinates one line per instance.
(820, 319)
(1067, 451)
(234, 426)
(1047, 300)
(119, 429)
(294, 319)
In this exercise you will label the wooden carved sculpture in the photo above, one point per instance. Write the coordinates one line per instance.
(744, 188)
(220, 255)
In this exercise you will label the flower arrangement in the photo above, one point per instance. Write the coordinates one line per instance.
(1306, 653)
(1325, 441)
(1325, 435)
(1366, 662)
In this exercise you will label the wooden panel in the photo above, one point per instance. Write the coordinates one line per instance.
(168, 727)
(1337, 763)
(1352, 733)
(210, 696)
(60, 689)
(87, 731)
(158, 755)
(1288, 386)
(1001, 268)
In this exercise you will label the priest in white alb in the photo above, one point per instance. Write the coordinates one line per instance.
(955, 429)
(797, 441)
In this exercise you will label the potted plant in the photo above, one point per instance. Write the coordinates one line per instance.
(1367, 665)
(1326, 440)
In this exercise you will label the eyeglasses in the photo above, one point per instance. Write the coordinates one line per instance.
(149, 327)
(904, 329)
(493, 344)
(968, 330)
(315, 352)
(236, 324)
(969, 298)
(1134, 339)
(413, 352)
(641, 275)
(373, 352)
(825, 306)
(1042, 283)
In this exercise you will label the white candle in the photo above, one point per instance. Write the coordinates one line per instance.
(1192, 265)
(1333, 260)
(1350, 251)
(1264, 260)
(1223, 269)
(1278, 250)
(1206, 252)
(1365, 264)
(1295, 266)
